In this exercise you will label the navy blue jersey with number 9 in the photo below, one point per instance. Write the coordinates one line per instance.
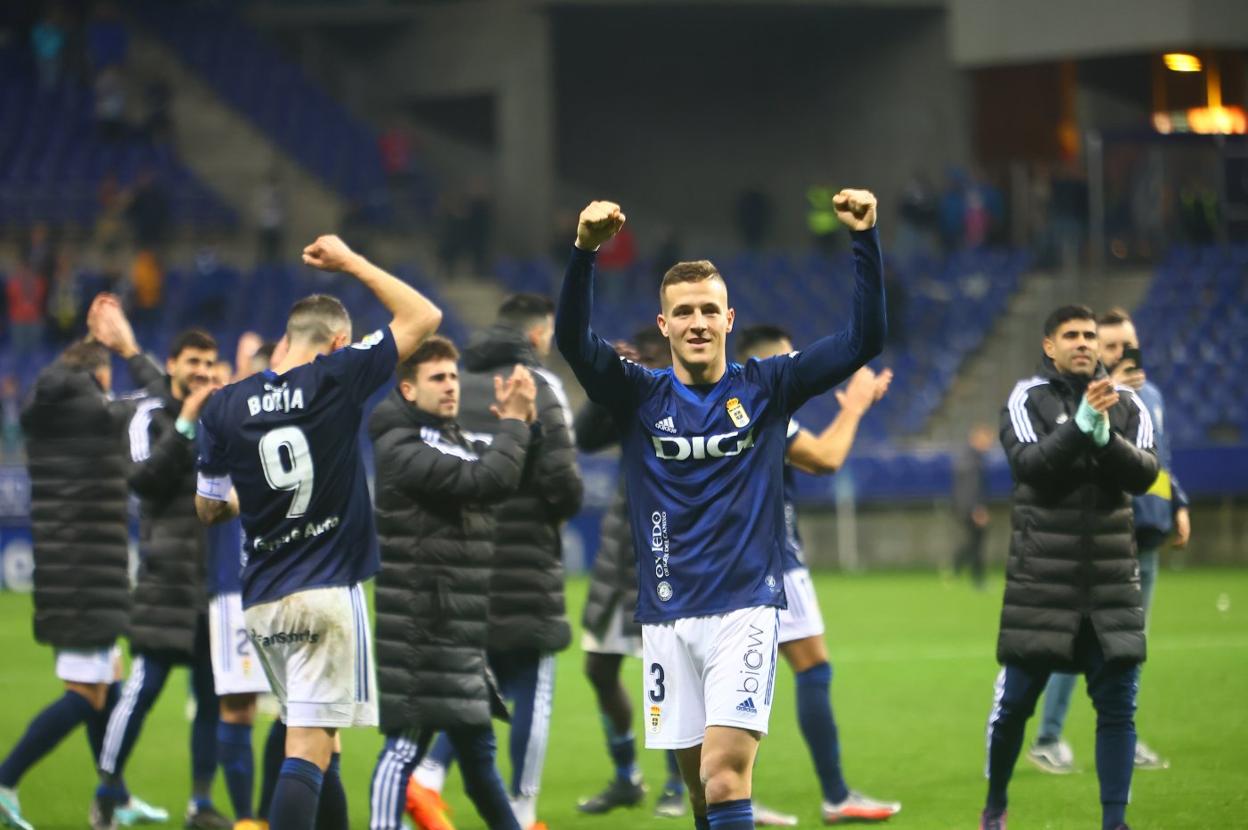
(289, 444)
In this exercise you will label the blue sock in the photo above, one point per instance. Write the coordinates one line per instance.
(1113, 815)
(675, 781)
(47, 730)
(701, 823)
(731, 815)
(442, 752)
(204, 737)
(331, 813)
(814, 715)
(623, 749)
(238, 765)
(296, 796)
(274, 754)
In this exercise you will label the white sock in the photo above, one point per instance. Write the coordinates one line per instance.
(525, 808)
(430, 775)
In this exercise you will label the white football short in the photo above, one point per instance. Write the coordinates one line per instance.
(236, 669)
(802, 618)
(718, 670)
(317, 651)
(615, 641)
(93, 665)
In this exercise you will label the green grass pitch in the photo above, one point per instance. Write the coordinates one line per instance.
(913, 663)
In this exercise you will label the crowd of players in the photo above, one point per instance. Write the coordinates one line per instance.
(700, 572)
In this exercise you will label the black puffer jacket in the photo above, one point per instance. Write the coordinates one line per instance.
(527, 608)
(435, 523)
(1072, 542)
(172, 588)
(76, 454)
(613, 581)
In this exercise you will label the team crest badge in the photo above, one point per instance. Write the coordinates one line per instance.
(1063, 418)
(656, 715)
(737, 413)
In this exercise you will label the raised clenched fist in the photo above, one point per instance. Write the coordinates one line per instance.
(599, 222)
(855, 209)
(328, 253)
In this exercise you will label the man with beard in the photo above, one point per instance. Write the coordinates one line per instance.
(169, 620)
(1078, 448)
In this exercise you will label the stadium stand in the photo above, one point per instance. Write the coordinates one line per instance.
(946, 301)
(277, 97)
(1194, 324)
(52, 160)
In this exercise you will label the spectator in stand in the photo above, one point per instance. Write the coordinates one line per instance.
(619, 253)
(109, 237)
(26, 291)
(918, 214)
(952, 211)
(479, 226)
(107, 38)
(270, 218)
(148, 212)
(10, 421)
(970, 501)
(47, 40)
(65, 300)
(40, 252)
(755, 216)
(110, 104)
(466, 225)
(1070, 213)
(147, 281)
(158, 120)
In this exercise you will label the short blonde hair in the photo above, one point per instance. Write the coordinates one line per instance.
(317, 320)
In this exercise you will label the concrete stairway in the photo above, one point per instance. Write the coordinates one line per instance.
(228, 152)
(1012, 349)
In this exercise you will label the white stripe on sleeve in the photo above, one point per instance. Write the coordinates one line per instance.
(1017, 405)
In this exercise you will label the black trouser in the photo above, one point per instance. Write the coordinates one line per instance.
(474, 747)
(971, 553)
(1111, 685)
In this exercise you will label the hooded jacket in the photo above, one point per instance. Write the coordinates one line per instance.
(76, 456)
(436, 493)
(171, 592)
(527, 606)
(1072, 541)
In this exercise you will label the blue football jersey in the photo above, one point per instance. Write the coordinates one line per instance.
(704, 470)
(225, 558)
(793, 557)
(704, 466)
(290, 445)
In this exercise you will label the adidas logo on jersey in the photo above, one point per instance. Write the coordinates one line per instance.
(667, 424)
(747, 706)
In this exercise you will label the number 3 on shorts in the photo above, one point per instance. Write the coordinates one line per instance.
(659, 691)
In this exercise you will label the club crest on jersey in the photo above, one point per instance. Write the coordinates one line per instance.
(370, 340)
(665, 591)
(737, 413)
(1063, 418)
